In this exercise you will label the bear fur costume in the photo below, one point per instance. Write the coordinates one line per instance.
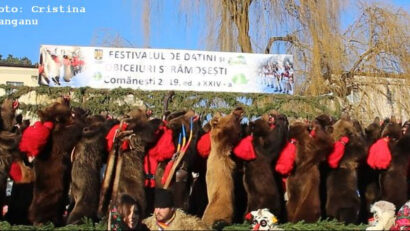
(260, 184)
(8, 143)
(368, 178)
(8, 152)
(225, 134)
(394, 179)
(343, 202)
(8, 114)
(87, 160)
(132, 176)
(303, 183)
(52, 166)
(182, 180)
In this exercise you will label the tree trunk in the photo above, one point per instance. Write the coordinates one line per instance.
(239, 11)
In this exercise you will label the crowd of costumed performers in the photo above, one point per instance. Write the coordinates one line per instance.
(182, 172)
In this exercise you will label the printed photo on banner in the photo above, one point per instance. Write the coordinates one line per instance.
(58, 65)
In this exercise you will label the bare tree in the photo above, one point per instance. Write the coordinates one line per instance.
(325, 56)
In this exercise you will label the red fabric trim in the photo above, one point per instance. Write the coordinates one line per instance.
(164, 148)
(150, 167)
(245, 150)
(379, 154)
(35, 138)
(338, 152)
(204, 145)
(286, 160)
(15, 172)
(110, 137)
(312, 133)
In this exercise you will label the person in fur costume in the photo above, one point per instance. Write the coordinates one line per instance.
(167, 217)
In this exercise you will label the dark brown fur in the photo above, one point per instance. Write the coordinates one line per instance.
(8, 114)
(260, 184)
(368, 177)
(52, 166)
(181, 182)
(8, 152)
(343, 202)
(132, 175)
(303, 183)
(90, 152)
(394, 179)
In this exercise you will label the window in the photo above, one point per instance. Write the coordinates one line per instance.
(10, 91)
(14, 83)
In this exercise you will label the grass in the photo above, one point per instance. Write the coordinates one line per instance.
(89, 225)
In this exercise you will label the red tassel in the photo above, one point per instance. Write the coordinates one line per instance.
(110, 137)
(312, 133)
(15, 172)
(248, 217)
(15, 104)
(35, 137)
(256, 227)
(204, 145)
(244, 149)
(286, 160)
(379, 154)
(338, 152)
(167, 171)
(165, 148)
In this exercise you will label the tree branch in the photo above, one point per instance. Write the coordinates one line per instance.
(287, 38)
(363, 56)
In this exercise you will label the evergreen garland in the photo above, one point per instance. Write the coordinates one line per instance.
(113, 101)
(89, 225)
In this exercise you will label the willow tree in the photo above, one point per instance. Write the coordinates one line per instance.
(326, 57)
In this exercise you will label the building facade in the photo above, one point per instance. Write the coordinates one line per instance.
(18, 75)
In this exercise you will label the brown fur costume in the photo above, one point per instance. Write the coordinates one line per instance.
(303, 183)
(52, 166)
(8, 113)
(8, 152)
(368, 181)
(260, 184)
(224, 135)
(181, 221)
(343, 202)
(182, 180)
(9, 144)
(394, 180)
(132, 175)
(89, 155)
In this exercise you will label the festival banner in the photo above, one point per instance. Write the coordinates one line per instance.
(165, 69)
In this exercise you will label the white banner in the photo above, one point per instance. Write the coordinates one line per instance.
(163, 69)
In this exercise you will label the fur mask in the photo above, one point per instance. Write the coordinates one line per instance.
(383, 214)
(262, 219)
